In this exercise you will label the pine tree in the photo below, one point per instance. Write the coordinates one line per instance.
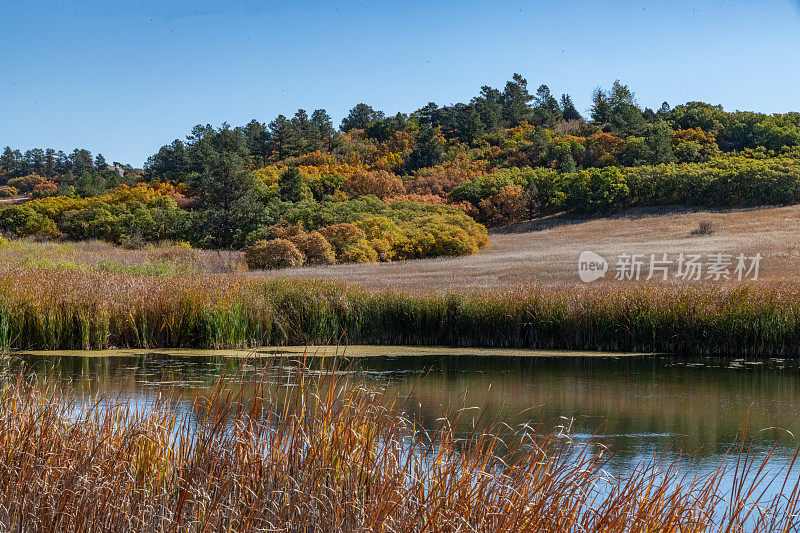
(325, 132)
(290, 185)
(360, 117)
(546, 110)
(489, 106)
(601, 108)
(284, 139)
(568, 111)
(516, 101)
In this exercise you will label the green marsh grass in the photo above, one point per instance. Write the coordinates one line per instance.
(66, 309)
(296, 450)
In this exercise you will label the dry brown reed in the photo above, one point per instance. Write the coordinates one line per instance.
(46, 309)
(300, 452)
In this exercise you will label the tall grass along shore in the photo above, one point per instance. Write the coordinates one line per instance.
(302, 452)
(49, 309)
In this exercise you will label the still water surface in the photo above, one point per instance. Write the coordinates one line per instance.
(691, 409)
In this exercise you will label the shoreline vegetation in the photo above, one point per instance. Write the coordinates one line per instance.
(66, 310)
(333, 454)
(353, 351)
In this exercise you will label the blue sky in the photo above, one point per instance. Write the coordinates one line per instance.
(124, 78)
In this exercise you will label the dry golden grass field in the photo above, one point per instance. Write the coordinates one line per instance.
(546, 251)
(542, 252)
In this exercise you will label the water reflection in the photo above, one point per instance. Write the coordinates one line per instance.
(638, 405)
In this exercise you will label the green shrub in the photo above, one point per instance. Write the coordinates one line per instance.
(22, 221)
(596, 190)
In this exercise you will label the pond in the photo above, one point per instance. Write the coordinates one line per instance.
(690, 409)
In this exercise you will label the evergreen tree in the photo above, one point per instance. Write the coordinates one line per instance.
(228, 207)
(49, 168)
(360, 117)
(81, 159)
(325, 132)
(8, 162)
(546, 109)
(62, 162)
(290, 185)
(257, 140)
(626, 119)
(34, 159)
(284, 138)
(601, 108)
(516, 102)
(468, 124)
(305, 131)
(489, 106)
(89, 184)
(621, 94)
(171, 163)
(660, 143)
(568, 111)
(429, 150)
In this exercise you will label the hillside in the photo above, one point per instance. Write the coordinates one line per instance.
(546, 251)
(297, 192)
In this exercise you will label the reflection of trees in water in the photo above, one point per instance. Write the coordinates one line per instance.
(640, 403)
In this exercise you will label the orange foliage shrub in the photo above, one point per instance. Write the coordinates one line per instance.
(26, 183)
(316, 248)
(377, 182)
(342, 235)
(605, 149)
(314, 159)
(693, 134)
(506, 207)
(442, 179)
(46, 186)
(284, 230)
(277, 253)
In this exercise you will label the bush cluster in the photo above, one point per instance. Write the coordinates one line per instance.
(366, 233)
(731, 181)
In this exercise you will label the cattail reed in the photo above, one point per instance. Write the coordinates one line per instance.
(42, 309)
(300, 451)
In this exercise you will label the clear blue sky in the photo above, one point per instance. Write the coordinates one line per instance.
(124, 79)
